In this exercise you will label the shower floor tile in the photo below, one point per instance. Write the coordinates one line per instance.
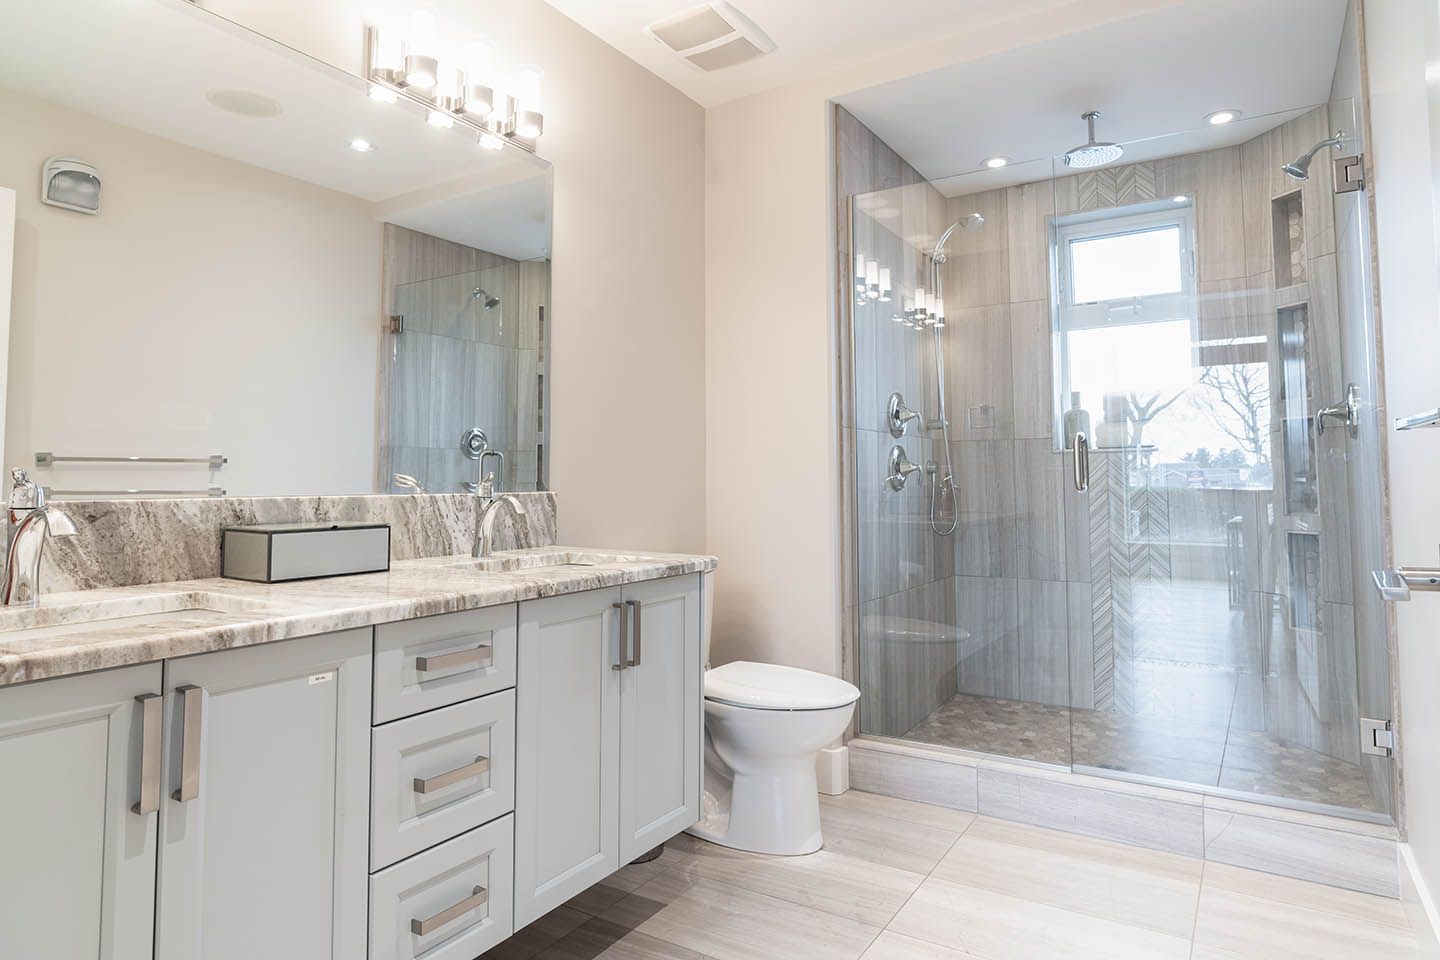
(1166, 747)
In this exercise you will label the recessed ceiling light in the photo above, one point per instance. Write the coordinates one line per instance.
(995, 163)
(244, 103)
(1179, 198)
(1220, 117)
(361, 145)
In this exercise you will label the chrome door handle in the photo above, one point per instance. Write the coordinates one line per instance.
(1080, 452)
(624, 612)
(481, 656)
(442, 780)
(1347, 411)
(152, 716)
(634, 606)
(192, 709)
(476, 899)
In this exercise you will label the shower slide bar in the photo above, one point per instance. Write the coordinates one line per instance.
(45, 458)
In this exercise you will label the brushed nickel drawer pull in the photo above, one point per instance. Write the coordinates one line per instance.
(442, 780)
(624, 613)
(481, 656)
(151, 725)
(192, 709)
(635, 608)
(477, 899)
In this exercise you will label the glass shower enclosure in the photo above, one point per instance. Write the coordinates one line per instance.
(1115, 509)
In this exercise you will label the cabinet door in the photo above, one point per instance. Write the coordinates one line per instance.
(567, 761)
(661, 716)
(267, 856)
(77, 864)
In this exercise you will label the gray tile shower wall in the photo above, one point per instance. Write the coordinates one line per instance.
(125, 542)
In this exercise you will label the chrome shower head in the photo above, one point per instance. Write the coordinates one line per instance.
(971, 221)
(1092, 153)
(1299, 168)
(481, 294)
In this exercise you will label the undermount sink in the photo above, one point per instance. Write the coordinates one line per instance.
(544, 559)
(56, 619)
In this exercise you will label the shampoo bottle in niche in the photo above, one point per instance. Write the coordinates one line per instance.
(1077, 420)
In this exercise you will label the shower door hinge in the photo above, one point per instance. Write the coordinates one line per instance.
(397, 323)
(1376, 737)
(1349, 173)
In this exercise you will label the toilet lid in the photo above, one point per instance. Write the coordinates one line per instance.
(768, 686)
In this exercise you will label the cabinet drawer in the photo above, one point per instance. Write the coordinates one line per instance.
(452, 902)
(439, 774)
(436, 661)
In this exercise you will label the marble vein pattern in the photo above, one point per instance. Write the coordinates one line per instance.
(125, 542)
(973, 888)
(96, 629)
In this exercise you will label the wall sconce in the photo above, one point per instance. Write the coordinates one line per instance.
(465, 91)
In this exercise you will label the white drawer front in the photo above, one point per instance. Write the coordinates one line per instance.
(439, 774)
(452, 902)
(436, 661)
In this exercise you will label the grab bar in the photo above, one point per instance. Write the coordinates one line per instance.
(45, 458)
(1395, 585)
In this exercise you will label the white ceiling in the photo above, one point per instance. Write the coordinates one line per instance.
(149, 66)
(1152, 76)
(813, 37)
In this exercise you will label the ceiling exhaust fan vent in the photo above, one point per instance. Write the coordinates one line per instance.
(712, 36)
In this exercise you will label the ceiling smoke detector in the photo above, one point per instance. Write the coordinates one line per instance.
(712, 36)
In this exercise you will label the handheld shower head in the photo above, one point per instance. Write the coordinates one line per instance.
(970, 222)
(483, 295)
(1299, 168)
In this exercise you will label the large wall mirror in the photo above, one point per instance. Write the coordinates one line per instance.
(286, 284)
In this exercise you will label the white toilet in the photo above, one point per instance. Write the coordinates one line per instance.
(764, 725)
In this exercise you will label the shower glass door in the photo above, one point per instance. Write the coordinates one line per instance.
(1193, 608)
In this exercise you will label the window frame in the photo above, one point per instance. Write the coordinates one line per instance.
(1123, 311)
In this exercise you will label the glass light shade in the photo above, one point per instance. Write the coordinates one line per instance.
(421, 71)
(529, 124)
(389, 49)
(872, 273)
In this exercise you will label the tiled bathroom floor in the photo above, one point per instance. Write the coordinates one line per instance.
(899, 880)
(1173, 748)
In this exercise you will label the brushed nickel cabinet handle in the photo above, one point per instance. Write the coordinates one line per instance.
(481, 656)
(634, 606)
(192, 708)
(624, 613)
(442, 780)
(476, 899)
(152, 716)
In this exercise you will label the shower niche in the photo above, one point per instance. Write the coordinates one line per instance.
(1287, 218)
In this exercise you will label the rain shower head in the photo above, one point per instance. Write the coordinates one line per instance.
(1299, 168)
(1092, 153)
(481, 294)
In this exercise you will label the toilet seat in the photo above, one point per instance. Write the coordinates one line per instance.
(769, 686)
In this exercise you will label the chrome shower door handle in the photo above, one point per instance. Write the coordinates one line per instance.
(1347, 411)
(192, 710)
(1080, 453)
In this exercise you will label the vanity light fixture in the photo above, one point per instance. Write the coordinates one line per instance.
(994, 163)
(463, 88)
(1221, 117)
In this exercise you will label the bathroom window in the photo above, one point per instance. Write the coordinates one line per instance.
(1193, 412)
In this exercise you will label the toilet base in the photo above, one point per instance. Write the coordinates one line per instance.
(776, 812)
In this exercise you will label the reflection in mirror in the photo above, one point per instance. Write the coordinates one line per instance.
(259, 223)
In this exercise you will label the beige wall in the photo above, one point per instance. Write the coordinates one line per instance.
(196, 264)
(1404, 185)
(627, 389)
(771, 461)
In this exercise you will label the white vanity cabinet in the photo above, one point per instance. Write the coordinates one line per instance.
(608, 753)
(264, 826)
(77, 861)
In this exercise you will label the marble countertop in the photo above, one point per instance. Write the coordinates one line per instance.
(88, 630)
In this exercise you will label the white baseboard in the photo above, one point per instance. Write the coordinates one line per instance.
(832, 770)
(1419, 904)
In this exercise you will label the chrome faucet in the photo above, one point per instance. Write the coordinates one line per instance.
(489, 507)
(29, 521)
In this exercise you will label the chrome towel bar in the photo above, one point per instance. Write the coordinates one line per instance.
(45, 458)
